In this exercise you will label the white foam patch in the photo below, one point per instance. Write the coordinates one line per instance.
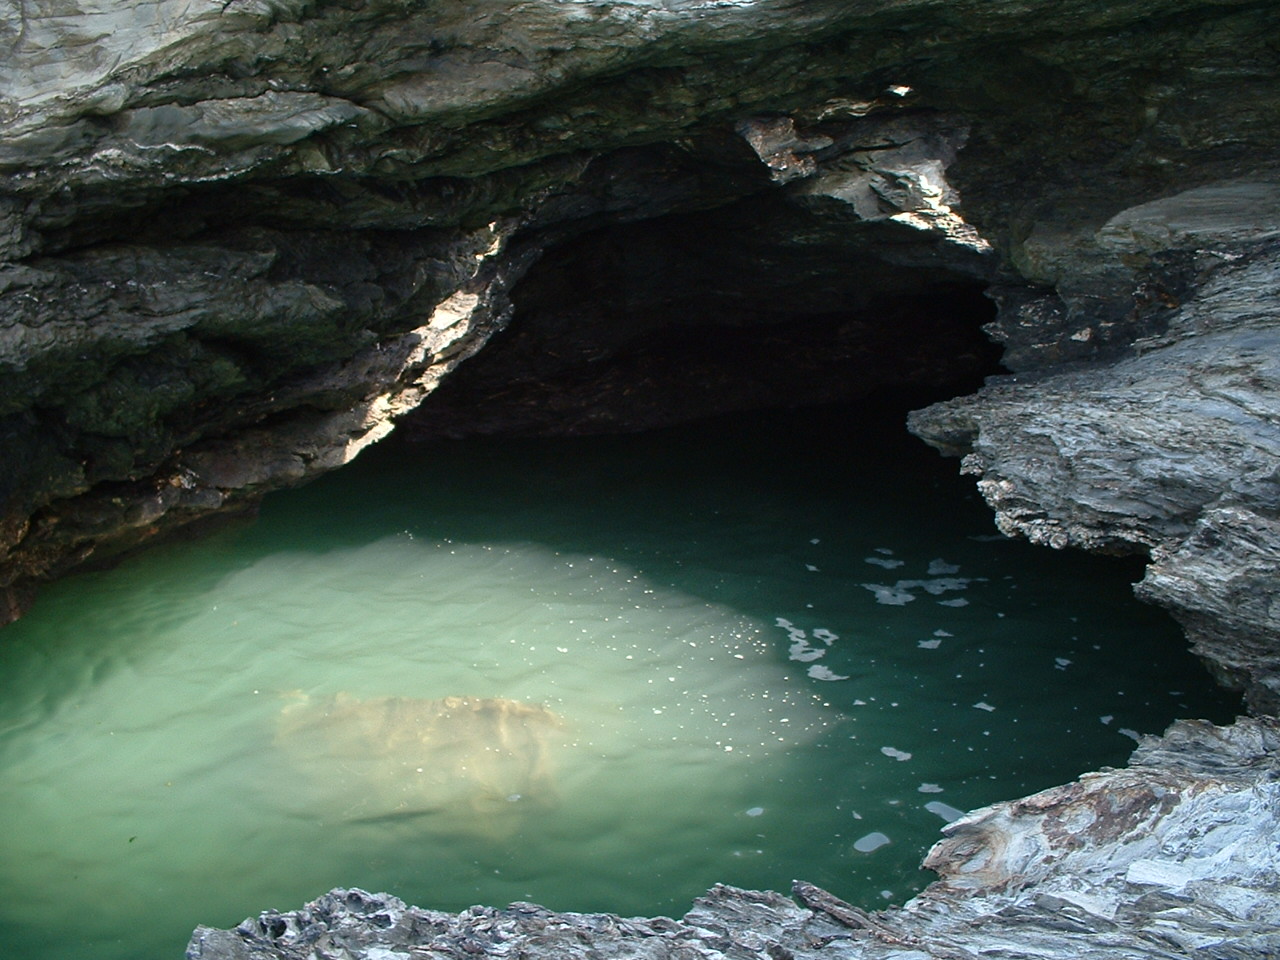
(811, 568)
(929, 788)
(939, 567)
(944, 810)
(891, 596)
(884, 562)
(943, 585)
(884, 550)
(983, 705)
(819, 672)
(1062, 662)
(1133, 735)
(1107, 719)
(895, 753)
(755, 811)
(825, 635)
(957, 602)
(929, 644)
(801, 652)
(942, 633)
(872, 841)
(900, 593)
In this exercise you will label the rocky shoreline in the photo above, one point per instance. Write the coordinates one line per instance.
(1172, 856)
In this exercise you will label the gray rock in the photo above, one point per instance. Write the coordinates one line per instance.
(1173, 449)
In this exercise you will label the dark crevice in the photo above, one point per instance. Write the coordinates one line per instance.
(758, 304)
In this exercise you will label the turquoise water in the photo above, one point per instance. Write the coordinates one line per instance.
(599, 674)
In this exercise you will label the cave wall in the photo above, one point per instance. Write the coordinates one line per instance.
(241, 240)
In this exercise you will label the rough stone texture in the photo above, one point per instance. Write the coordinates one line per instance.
(1172, 448)
(1173, 856)
(236, 230)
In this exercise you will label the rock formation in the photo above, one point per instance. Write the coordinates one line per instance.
(241, 239)
(461, 765)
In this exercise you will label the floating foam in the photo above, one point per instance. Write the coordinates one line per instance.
(755, 811)
(983, 705)
(900, 593)
(801, 652)
(957, 602)
(1133, 735)
(891, 596)
(929, 644)
(1107, 719)
(884, 550)
(883, 562)
(943, 585)
(942, 633)
(819, 672)
(929, 788)
(811, 568)
(895, 753)
(825, 635)
(940, 566)
(872, 841)
(1062, 662)
(944, 810)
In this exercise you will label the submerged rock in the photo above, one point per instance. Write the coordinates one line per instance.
(469, 764)
(1172, 856)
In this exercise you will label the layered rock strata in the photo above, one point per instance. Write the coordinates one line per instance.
(240, 233)
(1171, 448)
(1172, 856)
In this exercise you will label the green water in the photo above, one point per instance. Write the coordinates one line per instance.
(733, 653)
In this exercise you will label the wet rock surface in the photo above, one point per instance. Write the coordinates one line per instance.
(260, 233)
(1172, 856)
(1172, 448)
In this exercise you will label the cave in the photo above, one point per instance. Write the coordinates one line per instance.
(250, 245)
(755, 304)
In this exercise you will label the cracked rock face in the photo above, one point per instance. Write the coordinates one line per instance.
(1170, 857)
(235, 232)
(1172, 448)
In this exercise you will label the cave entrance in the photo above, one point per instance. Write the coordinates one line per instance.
(764, 302)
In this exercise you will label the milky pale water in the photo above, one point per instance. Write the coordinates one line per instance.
(598, 674)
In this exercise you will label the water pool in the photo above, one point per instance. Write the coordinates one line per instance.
(600, 674)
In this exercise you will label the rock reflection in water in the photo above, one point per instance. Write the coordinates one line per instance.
(458, 764)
